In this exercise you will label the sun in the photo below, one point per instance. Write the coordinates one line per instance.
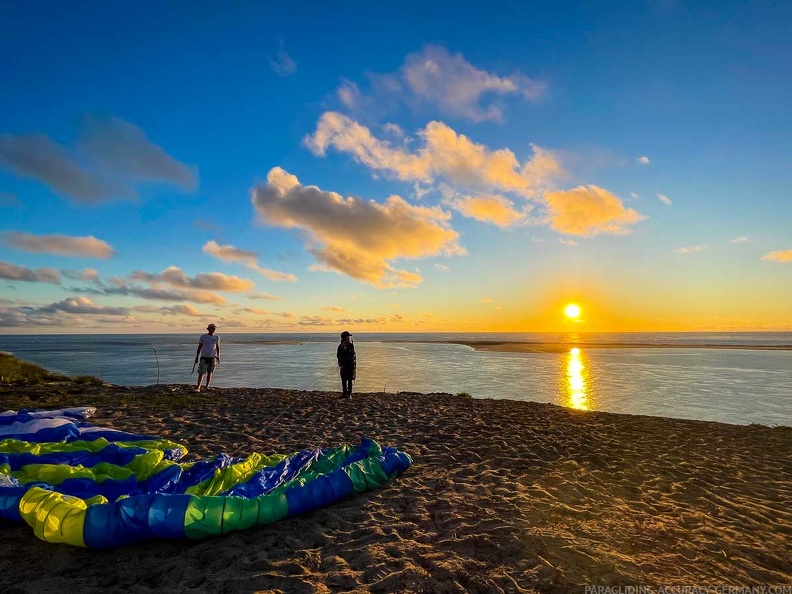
(572, 311)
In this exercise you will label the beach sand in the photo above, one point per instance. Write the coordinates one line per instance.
(503, 496)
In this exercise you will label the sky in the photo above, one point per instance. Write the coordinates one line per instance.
(414, 167)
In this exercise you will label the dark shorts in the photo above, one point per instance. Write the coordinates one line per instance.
(206, 365)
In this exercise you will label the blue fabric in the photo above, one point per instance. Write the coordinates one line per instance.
(111, 453)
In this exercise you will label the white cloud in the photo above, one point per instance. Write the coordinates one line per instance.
(356, 237)
(589, 210)
(689, 249)
(779, 256)
(643, 160)
(634, 196)
(664, 199)
(444, 154)
(442, 267)
(568, 242)
(740, 239)
(229, 253)
(58, 245)
(284, 65)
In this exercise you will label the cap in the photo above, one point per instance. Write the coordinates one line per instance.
(345, 333)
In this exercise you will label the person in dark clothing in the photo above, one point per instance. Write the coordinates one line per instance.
(347, 363)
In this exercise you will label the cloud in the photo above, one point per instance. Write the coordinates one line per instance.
(156, 293)
(665, 199)
(436, 78)
(457, 88)
(90, 275)
(568, 242)
(779, 256)
(252, 310)
(333, 308)
(634, 196)
(210, 281)
(182, 309)
(689, 249)
(740, 239)
(589, 210)
(356, 237)
(491, 209)
(38, 157)
(20, 273)
(110, 157)
(486, 300)
(264, 296)
(286, 314)
(229, 253)
(59, 245)
(444, 154)
(126, 150)
(83, 306)
(316, 321)
(284, 65)
(643, 160)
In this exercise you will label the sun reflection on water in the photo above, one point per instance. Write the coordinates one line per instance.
(576, 384)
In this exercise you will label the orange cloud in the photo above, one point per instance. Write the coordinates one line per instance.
(353, 236)
(589, 210)
(492, 209)
(779, 256)
(229, 253)
(213, 281)
(444, 154)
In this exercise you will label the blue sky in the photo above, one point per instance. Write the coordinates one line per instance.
(631, 157)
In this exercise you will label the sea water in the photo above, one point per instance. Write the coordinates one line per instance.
(741, 385)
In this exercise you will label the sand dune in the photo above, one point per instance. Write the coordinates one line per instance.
(503, 496)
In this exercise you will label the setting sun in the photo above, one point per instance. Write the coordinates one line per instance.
(572, 311)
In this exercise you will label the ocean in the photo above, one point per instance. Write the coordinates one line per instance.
(663, 377)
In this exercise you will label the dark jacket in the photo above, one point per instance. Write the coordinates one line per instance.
(347, 360)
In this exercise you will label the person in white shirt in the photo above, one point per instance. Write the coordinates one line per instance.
(209, 352)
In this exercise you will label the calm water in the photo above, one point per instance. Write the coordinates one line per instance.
(734, 386)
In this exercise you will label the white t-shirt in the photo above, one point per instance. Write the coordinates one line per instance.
(209, 343)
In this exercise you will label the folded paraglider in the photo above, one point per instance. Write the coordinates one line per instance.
(96, 487)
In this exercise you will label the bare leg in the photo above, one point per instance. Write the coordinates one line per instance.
(198, 385)
(208, 378)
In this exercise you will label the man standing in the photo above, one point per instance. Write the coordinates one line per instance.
(209, 352)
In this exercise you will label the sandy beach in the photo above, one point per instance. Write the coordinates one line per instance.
(503, 496)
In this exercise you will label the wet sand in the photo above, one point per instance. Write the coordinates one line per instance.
(503, 496)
